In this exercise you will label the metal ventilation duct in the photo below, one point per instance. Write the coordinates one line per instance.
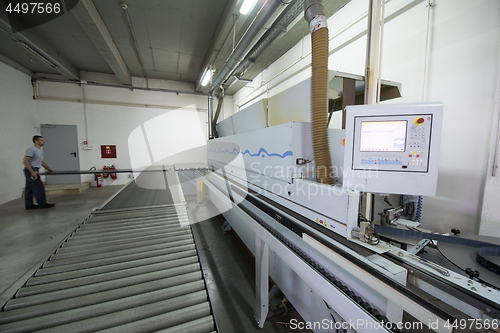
(294, 9)
(267, 14)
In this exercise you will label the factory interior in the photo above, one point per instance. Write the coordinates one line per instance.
(251, 166)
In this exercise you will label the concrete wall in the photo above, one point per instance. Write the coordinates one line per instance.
(462, 66)
(17, 126)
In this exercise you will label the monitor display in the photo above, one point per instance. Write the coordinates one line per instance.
(379, 136)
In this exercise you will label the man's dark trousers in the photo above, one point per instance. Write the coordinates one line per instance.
(34, 187)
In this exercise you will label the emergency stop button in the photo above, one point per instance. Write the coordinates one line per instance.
(419, 121)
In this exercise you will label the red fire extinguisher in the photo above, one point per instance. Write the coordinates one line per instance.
(98, 178)
(105, 175)
(113, 175)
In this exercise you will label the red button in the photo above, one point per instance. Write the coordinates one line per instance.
(420, 120)
(409, 155)
(418, 155)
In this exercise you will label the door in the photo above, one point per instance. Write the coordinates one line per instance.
(60, 152)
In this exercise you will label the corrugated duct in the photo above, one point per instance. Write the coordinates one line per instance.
(314, 14)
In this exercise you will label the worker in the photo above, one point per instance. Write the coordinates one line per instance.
(33, 161)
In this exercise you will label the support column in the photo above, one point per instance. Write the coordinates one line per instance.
(210, 114)
(261, 281)
(372, 72)
(200, 194)
(348, 96)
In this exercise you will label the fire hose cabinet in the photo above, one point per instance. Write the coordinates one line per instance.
(108, 151)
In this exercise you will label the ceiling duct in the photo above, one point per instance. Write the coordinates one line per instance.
(294, 9)
(266, 16)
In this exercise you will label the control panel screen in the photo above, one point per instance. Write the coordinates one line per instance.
(392, 142)
(383, 136)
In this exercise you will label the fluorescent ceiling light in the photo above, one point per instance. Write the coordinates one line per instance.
(247, 6)
(206, 77)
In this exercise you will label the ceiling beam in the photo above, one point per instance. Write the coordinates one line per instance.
(14, 64)
(87, 15)
(43, 50)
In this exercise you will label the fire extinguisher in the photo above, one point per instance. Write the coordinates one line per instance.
(98, 178)
(105, 175)
(113, 175)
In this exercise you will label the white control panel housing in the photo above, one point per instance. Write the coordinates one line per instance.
(393, 148)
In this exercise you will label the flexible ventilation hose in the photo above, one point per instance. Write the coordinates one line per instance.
(319, 100)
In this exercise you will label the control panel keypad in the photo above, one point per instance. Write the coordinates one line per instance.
(417, 137)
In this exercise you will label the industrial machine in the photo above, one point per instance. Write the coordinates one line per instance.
(341, 269)
(300, 196)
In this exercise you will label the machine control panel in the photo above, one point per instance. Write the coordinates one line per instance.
(392, 143)
(393, 148)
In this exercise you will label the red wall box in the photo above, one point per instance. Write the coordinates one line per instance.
(108, 151)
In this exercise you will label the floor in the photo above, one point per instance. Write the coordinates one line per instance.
(30, 237)
(66, 188)
(230, 277)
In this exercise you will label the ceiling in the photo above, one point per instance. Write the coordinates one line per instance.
(159, 39)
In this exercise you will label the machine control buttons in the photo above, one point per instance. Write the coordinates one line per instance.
(415, 161)
(416, 144)
(382, 161)
(416, 154)
(419, 121)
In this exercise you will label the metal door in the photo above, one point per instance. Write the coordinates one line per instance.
(60, 152)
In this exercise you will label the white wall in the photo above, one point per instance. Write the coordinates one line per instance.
(462, 71)
(146, 126)
(17, 127)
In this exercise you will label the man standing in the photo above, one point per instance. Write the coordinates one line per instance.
(33, 162)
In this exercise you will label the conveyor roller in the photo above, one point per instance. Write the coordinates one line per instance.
(122, 270)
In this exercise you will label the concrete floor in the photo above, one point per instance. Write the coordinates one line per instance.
(30, 237)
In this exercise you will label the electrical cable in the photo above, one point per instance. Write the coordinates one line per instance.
(418, 214)
(308, 173)
(361, 218)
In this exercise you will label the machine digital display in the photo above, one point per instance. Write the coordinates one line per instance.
(383, 136)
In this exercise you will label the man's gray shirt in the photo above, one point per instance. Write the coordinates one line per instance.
(36, 155)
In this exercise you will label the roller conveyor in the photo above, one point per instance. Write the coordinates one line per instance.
(125, 269)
